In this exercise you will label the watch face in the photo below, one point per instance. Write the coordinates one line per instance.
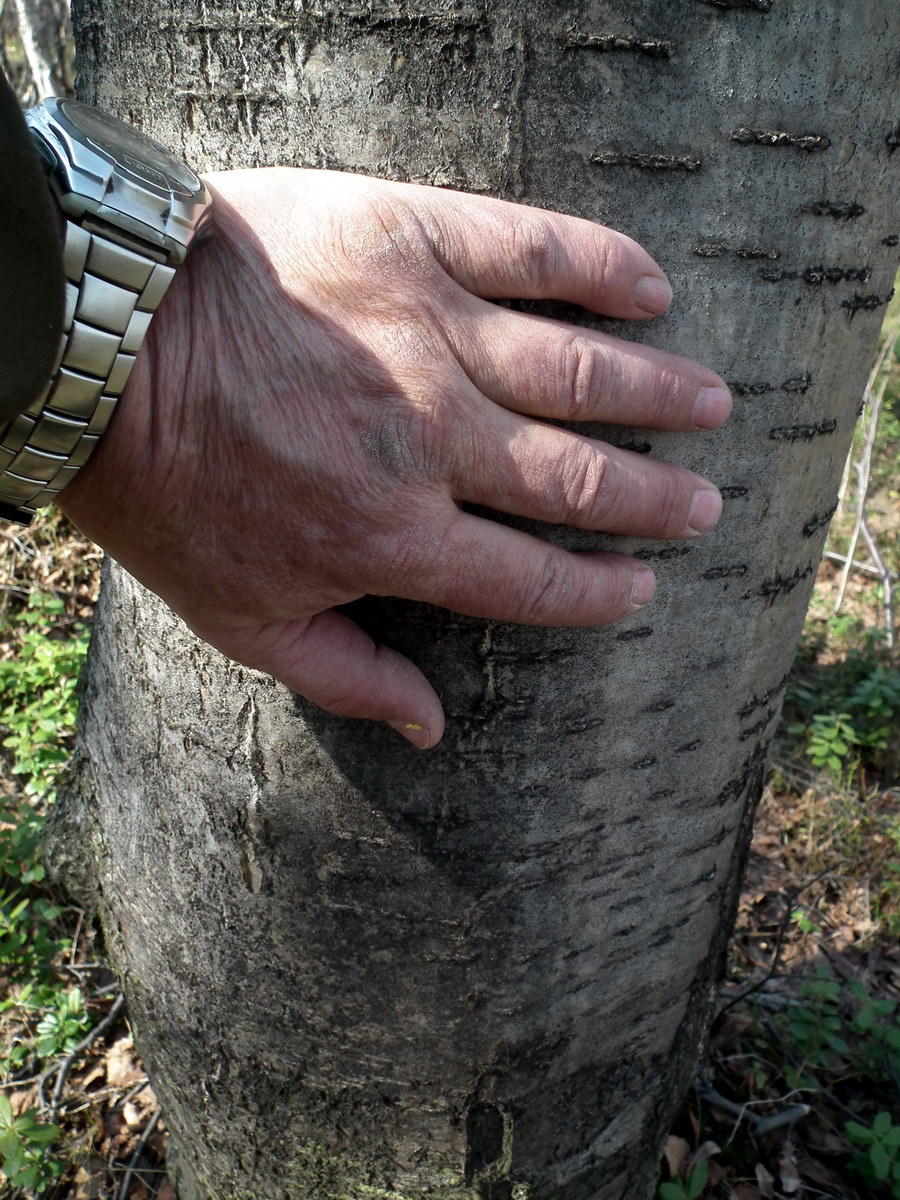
(133, 152)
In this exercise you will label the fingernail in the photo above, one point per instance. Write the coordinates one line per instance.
(643, 585)
(413, 732)
(652, 294)
(711, 407)
(706, 508)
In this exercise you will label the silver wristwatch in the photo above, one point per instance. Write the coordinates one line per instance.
(132, 211)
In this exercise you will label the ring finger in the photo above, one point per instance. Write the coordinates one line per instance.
(535, 470)
(541, 367)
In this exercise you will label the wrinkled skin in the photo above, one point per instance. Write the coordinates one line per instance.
(327, 382)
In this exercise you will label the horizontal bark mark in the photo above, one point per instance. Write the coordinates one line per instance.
(758, 701)
(779, 585)
(646, 162)
(632, 635)
(711, 842)
(759, 725)
(866, 303)
(815, 276)
(734, 571)
(604, 42)
(762, 6)
(665, 554)
(737, 785)
(803, 433)
(817, 520)
(797, 383)
(840, 212)
(717, 249)
(779, 137)
(733, 491)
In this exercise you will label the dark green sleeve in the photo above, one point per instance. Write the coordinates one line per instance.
(32, 285)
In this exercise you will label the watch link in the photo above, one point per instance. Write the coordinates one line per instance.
(132, 211)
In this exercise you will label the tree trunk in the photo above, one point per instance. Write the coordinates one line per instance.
(360, 971)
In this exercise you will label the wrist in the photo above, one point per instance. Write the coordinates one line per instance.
(131, 211)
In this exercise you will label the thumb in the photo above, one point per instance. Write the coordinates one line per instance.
(329, 660)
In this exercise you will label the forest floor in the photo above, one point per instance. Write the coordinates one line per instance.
(799, 1092)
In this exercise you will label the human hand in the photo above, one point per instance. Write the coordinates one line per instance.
(324, 385)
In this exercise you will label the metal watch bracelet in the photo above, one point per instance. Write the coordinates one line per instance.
(112, 290)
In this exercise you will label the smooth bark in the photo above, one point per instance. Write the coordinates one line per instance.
(356, 970)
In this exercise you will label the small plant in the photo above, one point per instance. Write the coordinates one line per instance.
(842, 1028)
(876, 1025)
(878, 1159)
(804, 922)
(24, 1143)
(62, 1027)
(830, 739)
(847, 710)
(814, 1030)
(687, 1189)
(38, 689)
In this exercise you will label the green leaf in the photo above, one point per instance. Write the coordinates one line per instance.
(697, 1180)
(13, 1156)
(881, 1124)
(878, 1157)
(43, 1135)
(864, 1020)
(9, 1145)
(28, 1177)
(857, 1133)
(671, 1191)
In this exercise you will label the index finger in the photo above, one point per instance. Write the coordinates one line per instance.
(498, 250)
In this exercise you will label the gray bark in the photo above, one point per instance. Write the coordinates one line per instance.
(360, 971)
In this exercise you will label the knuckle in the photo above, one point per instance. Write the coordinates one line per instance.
(553, 594)
(668, 396)
(607, 257)
(409, 439)
(342, 702)
(588, 376)
(581, 488)
(670, 507)
(536, 251)
(383, 239)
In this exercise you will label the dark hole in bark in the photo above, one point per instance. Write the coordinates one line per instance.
(497, 1189)
(484, 1145)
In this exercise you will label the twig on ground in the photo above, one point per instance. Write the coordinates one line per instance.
(887, 584)
(756, 1124)
(771, 1000)
(74, 948)
(62, 1066)
(862, 467)
(791, 899)
(138, 1087)
(867, 568)
(135, 1158)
